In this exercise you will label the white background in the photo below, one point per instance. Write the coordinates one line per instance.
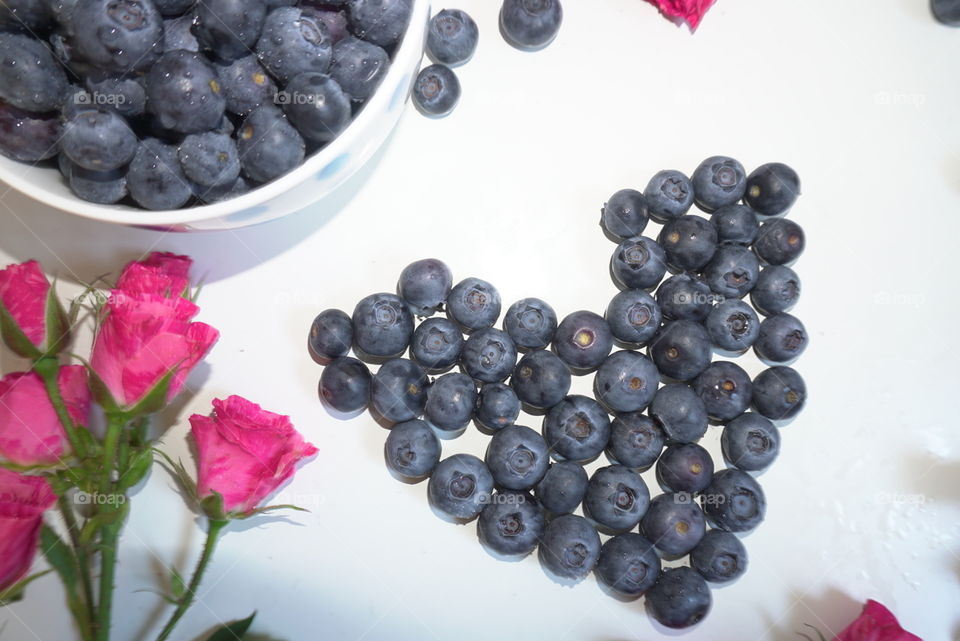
(861, 97)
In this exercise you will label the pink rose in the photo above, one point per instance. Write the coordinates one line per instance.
(875, 623)
(30, 431)
(23, 500)
(141, 338)
(25, 299)
(245, 453)
(160, 273)
(690, 10)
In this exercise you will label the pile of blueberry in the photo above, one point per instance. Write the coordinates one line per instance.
(661, 401)
(178, 102)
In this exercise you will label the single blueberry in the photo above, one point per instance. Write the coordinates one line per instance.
(102, 187)
(635, 440)
(155, 179)
(634, 317)
(359, 67)
(436, 345)
(336, 20)
(779, 393)
(183, 93)
(436, 91)
(331, 334)
(424, 285)
(382, 22)
(626, 382)
(681, 349)
(382, 325)
(638, 263)
(576, 429)
(725, 390)
(732, 272)
(229, 29)
(734, 501)
(412, 450)
(210, 159)
(717, 182)
(452, 37)
(116, 35)
(750, 442)
(680, 412)
(669, 195)
(685, 468)
(685, 297)
(27, 136)
(735, 224)
(720, 557)
(733, 326)
(30, 77)
(689, 242)
(399, 391)
(531, 323)
(777, 290)
(583, 340)
(679, 599)
(674, 524)
(517, 457)
(497, 407)
(782, 338)
(616, 498)
(451, 400)
(541, 379)
(460, 486)
(628, 564)
(98, 140)
(489, 355)
(245, 84)
(512, 524)
(562, 488)
(772, 189)
(474, 304)
(345, 385)
(269, 146)
(293, 41)
(317, 106)
(126, 96)
(530, 24)
(946, 12)
(779, 241)
(625, 214)
(570, 547)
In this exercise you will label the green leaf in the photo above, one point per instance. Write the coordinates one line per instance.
(180, 475)
(58, 325)
(178, 587)
(15, 592)
(59, 556)
(137, 469)
(269, 509)
(14, 337)
(233, 631)
(212, 506)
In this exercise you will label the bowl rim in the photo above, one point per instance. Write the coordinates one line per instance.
(411, 48)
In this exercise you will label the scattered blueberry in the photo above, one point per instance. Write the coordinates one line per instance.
(345, 385)
(317, 106)
(689, 242)
(777, 290)
(210, 159)
(625, 214)
(617, 498)
(460, 486)
(436, 90)
(269, 146)
(734, 501)
(531, 323)
(399, 390)
(733, 326)
(946, 12)
(382, 325)
(735, 224)
(681, 349)
(154, 178)
(530, 24)
(772, 189)
(626, 382)
(779, 393)
(382, 22)
(229, 28)
(717, 182)
(679, 599)
(669, 195)
(732, 272)
(635, 440)
(331, 334)
(358, 67)
(30, 77)
(685, 468)
(183, 92)
(489, 355)
(628, 564)
(583, 340)
(576, 429)
(512, 524)
(452, 37)
(570, 547)
(293, 41)
(680, 412)
(725, 390)
(638, 263)
(412, 450)
(674, 524)
(634, 316)
(541, 380)
(720, 557)
(782, 338)
(779, 241)
(563, 487)
(497, 407)
(436, 345)
(750, 442)
(474, 303)
(117, 35)
(424, 285)
(685, 297)
(245, 84)
(451, 400)
(517, 458)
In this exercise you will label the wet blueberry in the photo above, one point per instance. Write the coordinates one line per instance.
(779, 241)
(382, 22)
(734, 501)
(489, 355)
(680, 412)
(399, 391)
(576, 429)
(517, 458)
(98, 140)
(452, 37)
(735, 224)
(436, 345)
(634, 316)
(530, 24)
(269, 146)
(317, 106)
(626, 382)
(497, 407)
(229, 29)
(412, 450)
(294, 40)
(674, 524)
(117, 35)
(460, 486)
(104, 187)
(635, 440)
(183, 93)
(750, 442)
(210, 159)
(451, 400)
(359, 67)
(154, 177)
(638, 263)
(625, 214)
(679, 599)
(436, 90)
(474, 304)
(681, 349)
(717, 182)
(512, 524)
(331, 334)
(28, 136)
(562, 488)
(382, 325)
(720, 557)
(628, 564)
(424, 285)
(126, 96)
(345, 385)
(782, 338)
(733, 326)
(777, 290)
(772, 189)
(732, 272)
(685, 297)
(531, 323)
(583, 340)
(689, 242)
(725, 390)
(779, 393)
(616, 498)
(245, 84)
(541, 380)
(669, 195)
(570, 547)
(686, 467)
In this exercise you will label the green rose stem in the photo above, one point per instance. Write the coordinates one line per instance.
(110, 532)
(48, 368)
(213, 534)
(83, 563)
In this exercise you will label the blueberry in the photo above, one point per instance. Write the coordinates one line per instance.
(497, 407)
(946, 12)
(625, 214)
(720, 557)
(626, 382)
(336, 21)
(382, 325)
(460, 486)
(452, 37)
(229, 29)
(725, 390)
(782, 338)
(635, 440)
(530, 24)
(269, 146)
(735, 224)
(563, 487)
(178, 33)
(669, 195)
(777, 290)
(126, 96)
(732, 272)
(734, 501)
(358, 67)
(436, 345)
(451, 400)
(98, 140)
(412, 450)
(717, 182)
(685, 468)
(220, 194)
(634, 316)
(172, 7)
(689, 242)
(28, 136)
(540, 379)
(474, 304)
(674, 524)
(531, 323)
(616, 498)
(293, 41)
(570, 547)
(382, 22)
(489, 355)
(25, 15)
(779, 241)
(680, 412)
(679, 599)
(399, 390)
(517, 458)
(750, 442)
(102, 187)
(345, 385)
(628, 564)
(681, 349)
(425, 285)
(245, 85)
(772, 189)
(511, 524)
(117, 35)
(779, 393)
(583, 340)
(331, 334)
(685, 297)
(210, 159)
(638, 263)
(733, 326)
(184, 94)
(436, 90)
(30, 77)
(154, 177)
(317, 106)
(576, 429)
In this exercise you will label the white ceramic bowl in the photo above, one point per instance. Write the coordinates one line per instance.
(320, 174)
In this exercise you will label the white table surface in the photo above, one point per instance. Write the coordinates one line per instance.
(861, 97)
